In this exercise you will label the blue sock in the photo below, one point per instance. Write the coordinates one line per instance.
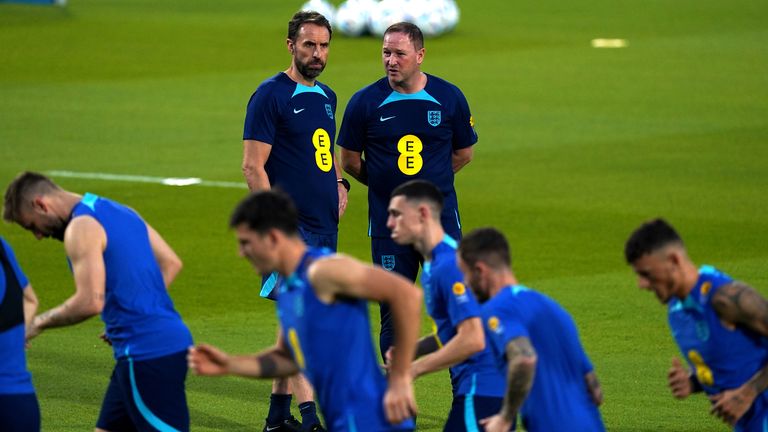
(308, 415)
(279, 408)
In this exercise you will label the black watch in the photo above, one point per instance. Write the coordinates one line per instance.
(344, 182)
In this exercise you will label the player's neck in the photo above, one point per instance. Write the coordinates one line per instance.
(433, 236)
(414, 85)
(689, 279)
(297, 77)
(290, 256)
(501, 279)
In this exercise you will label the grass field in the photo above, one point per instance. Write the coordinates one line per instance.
(577, 146)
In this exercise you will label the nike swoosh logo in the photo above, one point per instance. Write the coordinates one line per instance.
(295, 111)
(386, 118)
(271, 428)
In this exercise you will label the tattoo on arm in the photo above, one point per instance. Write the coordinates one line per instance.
(739, 304)
(522, 365)
(268, 366)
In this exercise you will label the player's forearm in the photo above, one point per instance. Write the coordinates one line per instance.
(457, 350)
(256, 177)
(269, 364)
(406, 310)
(71, 312)
(519, 379)
(356, 167)
(30, 305)
(758, 383)
(460, 158)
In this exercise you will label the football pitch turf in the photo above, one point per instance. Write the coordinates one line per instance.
(577, 146)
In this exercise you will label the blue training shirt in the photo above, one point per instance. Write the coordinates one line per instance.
(298, 122)
(722, 358)
(332, 345)
(405, 137)
(14, 376)
(138, 313)
(559, 398)
(449, 303)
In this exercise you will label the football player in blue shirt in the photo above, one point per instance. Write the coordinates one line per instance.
(122, 269)
(19, 410)
(720, 325)
(288, 142)
(458, 342)
(550, 379)
(407, 125)
(325, 332)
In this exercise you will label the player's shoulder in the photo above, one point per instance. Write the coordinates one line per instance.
(371, 93)
(442, 84)
(271, 86)
(327, 89)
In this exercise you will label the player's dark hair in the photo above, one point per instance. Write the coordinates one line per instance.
(487, 245)
(650, 237)
(20, 193)
(420, 190)
(303, 17)
(265, 210)
(411, 30)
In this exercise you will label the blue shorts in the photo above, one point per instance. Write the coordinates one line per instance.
(467, 411)
(19, 413)
(271, 281)
(401, 259)
(146, 395)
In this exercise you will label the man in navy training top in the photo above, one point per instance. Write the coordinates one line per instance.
(458, 341)
(720, 325)
(288, 142)
(550, 379)
(324, 328)
(407, 125)
(19, 410)
(122, 269)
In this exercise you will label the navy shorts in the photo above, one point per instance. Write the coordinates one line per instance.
(146, 395)
(271, 281)
(401, 259)
(467, 411)
(19, 413)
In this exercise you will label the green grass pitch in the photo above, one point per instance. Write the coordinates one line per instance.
(577, 146)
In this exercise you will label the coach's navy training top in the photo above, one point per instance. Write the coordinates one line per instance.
(449, 302)
(332, 345)
(559, 398)
(722, 358)
(408, 136)
(138, 313)
(14, 376)
(298, 122)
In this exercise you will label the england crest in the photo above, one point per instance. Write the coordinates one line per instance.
(329, 110)
(434, 118)
(388, 262)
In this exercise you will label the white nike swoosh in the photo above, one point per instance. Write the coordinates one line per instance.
(271, 428)
(386, 118)
(295, 111)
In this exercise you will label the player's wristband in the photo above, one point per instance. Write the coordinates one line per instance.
(344, 182)
(695, 384)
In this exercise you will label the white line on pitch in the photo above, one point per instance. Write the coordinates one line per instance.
(168, 181)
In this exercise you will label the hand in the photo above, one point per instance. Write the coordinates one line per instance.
(207, 360)
(594, 389)
(103, 336)
(399, 402)
(730, 405)
(678, 379)
(343, 198)
(496, 423)
(387, 360)
(33, 330)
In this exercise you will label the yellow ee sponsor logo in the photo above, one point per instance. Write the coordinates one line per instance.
(459, 288)
(493, 323)
(410, 148)
(703, 372)
(322, 143)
